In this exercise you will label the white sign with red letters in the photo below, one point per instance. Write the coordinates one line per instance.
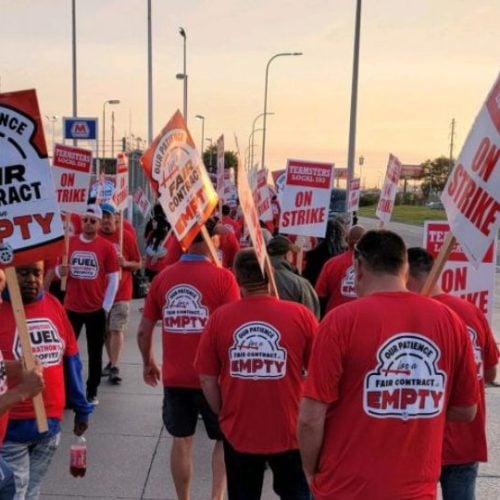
(305, 198)
(459, 277)
(71, 170)
(471, 196)
(389, 190)
(354, 192)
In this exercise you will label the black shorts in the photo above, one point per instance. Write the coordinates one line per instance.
(181, 407)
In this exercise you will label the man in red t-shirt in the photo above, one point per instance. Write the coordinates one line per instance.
(228, 222)
(228, 245)
(24, 384)
(92, 274)
(385, 373)
(27, 451)
(129, 257)
(251, 360)
(183, 296)
(464, 442)
(335, 285)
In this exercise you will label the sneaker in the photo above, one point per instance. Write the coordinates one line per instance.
(105, 370)
(93, 400)
(114, 375)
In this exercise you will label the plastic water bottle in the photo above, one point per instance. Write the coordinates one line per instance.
(78, 457)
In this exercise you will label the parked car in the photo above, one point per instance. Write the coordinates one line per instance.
(435, 205)
(338, 205)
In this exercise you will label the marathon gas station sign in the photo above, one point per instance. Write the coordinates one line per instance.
(459, 277)
(305, 198)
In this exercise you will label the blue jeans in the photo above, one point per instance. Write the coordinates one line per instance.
(458, 482)
(7, 485)
(29, 463)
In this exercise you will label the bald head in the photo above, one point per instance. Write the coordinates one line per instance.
(354, 235)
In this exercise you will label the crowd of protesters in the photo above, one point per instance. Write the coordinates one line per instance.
(347, 361)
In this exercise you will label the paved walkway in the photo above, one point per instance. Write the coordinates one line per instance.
(127, 447)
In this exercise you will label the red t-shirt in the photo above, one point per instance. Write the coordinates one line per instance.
(183, 296)
(465, 442)
(130, 252)
(388, 365)
(52, 337)
(4, 419)
(129, 228)
(229, 247)
(173, 254)
(233, 226)
(336, 280)
(258, 347)
(89, 263)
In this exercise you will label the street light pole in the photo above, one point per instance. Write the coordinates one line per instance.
(183, 34)
(253, 127)
(251, 144)
(52, 119)
(209, 139)
(354, 100)
(202, 118)
(281, 54)
(109, 101)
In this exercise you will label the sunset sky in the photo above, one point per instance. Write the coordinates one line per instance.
(422, 63)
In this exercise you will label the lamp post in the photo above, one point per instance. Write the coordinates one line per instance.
(354, 99)
(183, 75)
(109, 101)
(281, 54)
(361, 161)
(253, 127)
(202, 118)
(209, 139)
(251, 145)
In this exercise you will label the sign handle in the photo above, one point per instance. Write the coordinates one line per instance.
(270, 275)
(300, 260)
(439, 263)
(210, 245)
(28, 359)
(64, 279)
(120, 242)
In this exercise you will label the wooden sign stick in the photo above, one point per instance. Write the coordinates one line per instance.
(270, 275)
(210, 245)
(300, 260)
(22, 328)
(120, 242)
(439, 263)
(64, 279)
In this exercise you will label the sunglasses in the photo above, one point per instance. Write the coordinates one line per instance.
(89, 220)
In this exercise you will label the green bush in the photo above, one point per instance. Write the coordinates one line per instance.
(368, 198)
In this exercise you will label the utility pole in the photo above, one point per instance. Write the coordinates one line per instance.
(450, 167)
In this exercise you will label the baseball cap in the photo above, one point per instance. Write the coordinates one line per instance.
(108, 207)
(93, 210)
(280, 245)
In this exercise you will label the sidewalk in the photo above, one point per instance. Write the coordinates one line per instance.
(128, 449)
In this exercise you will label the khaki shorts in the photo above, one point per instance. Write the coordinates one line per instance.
(118, 317)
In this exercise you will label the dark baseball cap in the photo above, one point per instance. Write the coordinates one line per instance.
(280, 245)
